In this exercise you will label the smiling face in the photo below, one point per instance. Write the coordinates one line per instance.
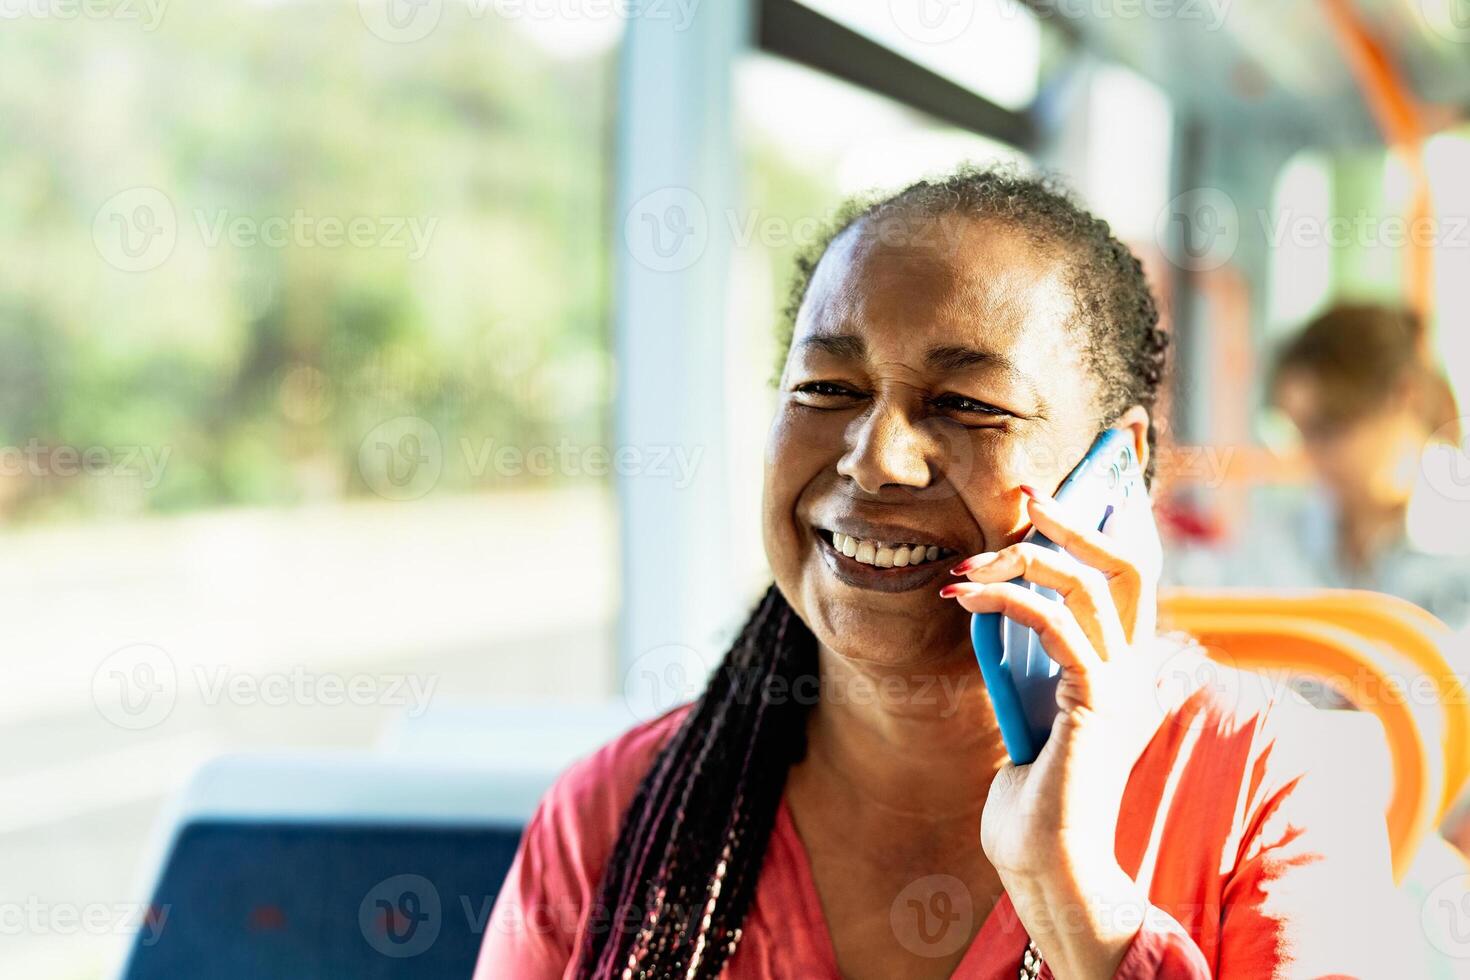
(923, 386)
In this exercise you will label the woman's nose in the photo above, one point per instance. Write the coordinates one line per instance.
(885, 448)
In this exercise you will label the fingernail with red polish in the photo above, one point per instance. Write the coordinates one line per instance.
(1030, 491)
(973, 562)
(949, 592)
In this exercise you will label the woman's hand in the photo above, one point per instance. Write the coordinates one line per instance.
(1049, 827)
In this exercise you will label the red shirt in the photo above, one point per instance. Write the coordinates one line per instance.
(1255, 821)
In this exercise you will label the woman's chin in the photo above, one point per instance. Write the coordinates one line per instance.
(893, 634)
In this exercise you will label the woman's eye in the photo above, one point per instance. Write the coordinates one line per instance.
(826, 391)
(968, 406)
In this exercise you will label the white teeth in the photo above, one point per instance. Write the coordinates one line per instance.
(881, 554)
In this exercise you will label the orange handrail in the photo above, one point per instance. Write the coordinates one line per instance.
(1386, 620)
(1309, 633)
(1399, 117)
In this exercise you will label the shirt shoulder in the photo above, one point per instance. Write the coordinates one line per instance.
(1252, 816)
(546, 900)
(1223, 722)
(594, 792)
(578, 820)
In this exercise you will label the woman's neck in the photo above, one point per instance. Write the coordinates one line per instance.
(1366, 529)
(920, 741)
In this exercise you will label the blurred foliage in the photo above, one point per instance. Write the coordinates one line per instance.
(779, 188)
(258, 369)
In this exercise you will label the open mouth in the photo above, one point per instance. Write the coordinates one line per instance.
(883, 554)
(885, 565)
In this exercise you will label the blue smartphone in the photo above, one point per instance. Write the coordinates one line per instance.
(1021, 678)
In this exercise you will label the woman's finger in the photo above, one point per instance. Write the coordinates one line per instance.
(1092, 547)
(1053, 623)
(1082, 588)
(1085, 543)
(1135, 524)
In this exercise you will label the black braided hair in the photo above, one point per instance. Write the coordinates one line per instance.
(683, 871)
(684, 868)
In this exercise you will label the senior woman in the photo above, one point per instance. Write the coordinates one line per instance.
(838, 802)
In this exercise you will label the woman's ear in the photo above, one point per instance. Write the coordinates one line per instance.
(1136, 420)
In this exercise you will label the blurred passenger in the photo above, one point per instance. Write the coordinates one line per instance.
(1370, 411)
(1367, 403)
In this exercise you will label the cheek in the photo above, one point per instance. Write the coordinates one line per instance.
(1001, 464)
(796, 453)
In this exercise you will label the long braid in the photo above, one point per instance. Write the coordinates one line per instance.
(683, 871)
